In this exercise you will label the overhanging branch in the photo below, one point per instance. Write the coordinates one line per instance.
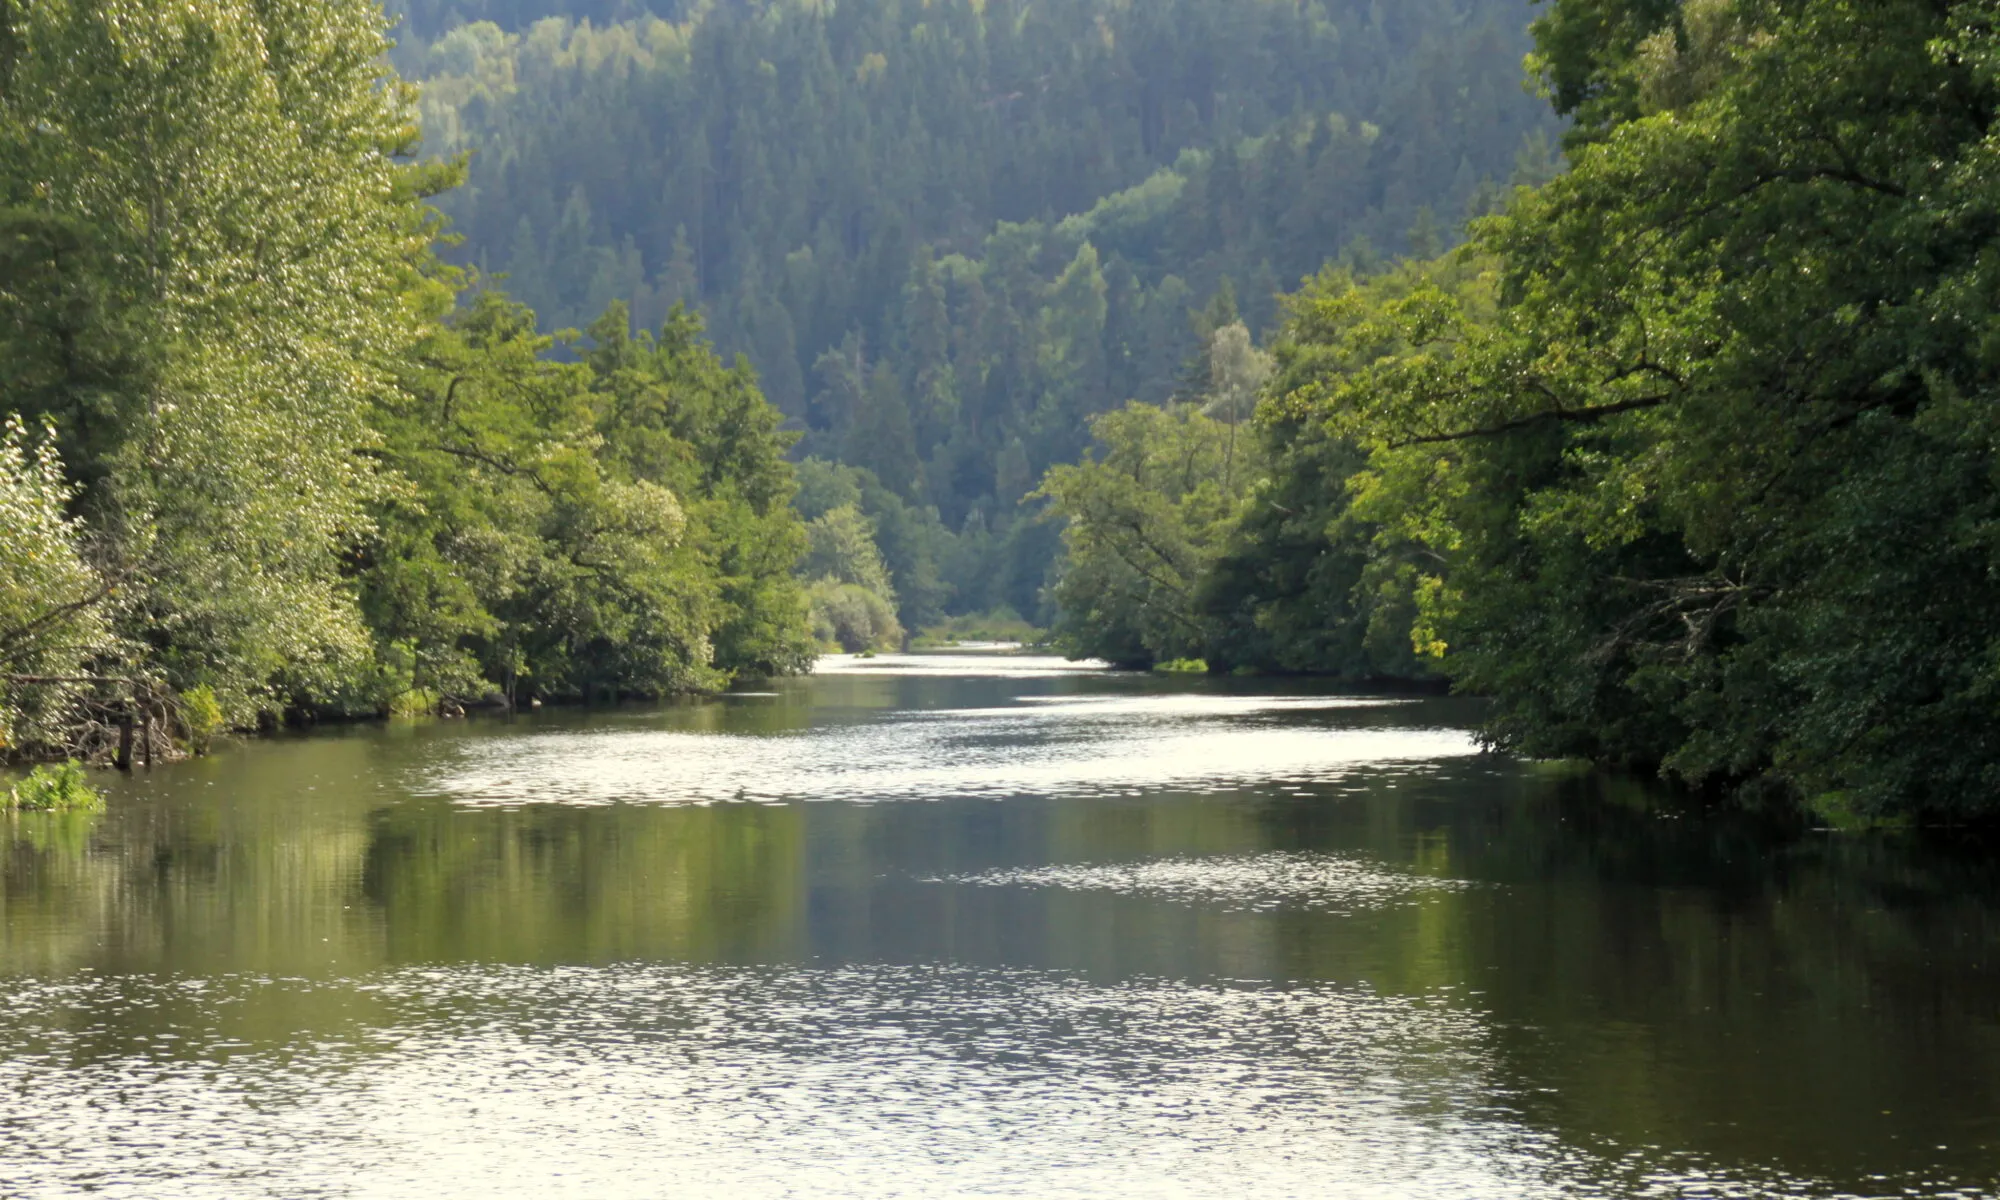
(1595, 412)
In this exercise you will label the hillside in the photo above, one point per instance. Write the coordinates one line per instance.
(947, 234)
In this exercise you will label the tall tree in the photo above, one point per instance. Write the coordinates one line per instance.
(221, 256)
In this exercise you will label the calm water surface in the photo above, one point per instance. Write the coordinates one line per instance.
(953, 926)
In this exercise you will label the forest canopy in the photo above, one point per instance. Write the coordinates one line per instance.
(1655, 409)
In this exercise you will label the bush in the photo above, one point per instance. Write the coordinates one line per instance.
(853, 618)
(55, 787)
(416, 702)
(201, 717)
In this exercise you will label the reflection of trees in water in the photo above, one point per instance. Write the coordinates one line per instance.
(47, 882)
(575, 884)
(1654, 977)
(1753, 998)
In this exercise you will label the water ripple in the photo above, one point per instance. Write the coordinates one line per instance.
(971, 663)
(1249, 882)
(751, 1083)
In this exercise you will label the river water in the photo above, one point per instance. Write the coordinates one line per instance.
(978, 926)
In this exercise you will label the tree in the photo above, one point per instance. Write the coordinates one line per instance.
(914, 177)
(54, 604)
(218, 190)
(620, 522)
(1146, 522)
(1237, 371)
(1706, 474)
(841, 546)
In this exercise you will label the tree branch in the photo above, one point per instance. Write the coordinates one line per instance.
(1595, 412)
(18, 633)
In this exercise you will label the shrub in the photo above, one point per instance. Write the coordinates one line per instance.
(416, 702)
(55, 787)
(853, 617)
(201, 717)
(998, 625)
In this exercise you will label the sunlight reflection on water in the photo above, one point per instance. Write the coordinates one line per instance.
(993, 662)
(1366, 967)
(1053, 747)
(881, 1082)
(1232, 883)
(698, 1082)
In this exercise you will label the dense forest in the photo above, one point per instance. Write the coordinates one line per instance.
(947, 234)
(279, 446)
(1686, 459)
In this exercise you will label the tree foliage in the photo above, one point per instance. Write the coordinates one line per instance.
(1739, 387)
(53, 610)
(616, 522)
(311, 489)
(1687, 460)
(1145, 524)
(216, 257)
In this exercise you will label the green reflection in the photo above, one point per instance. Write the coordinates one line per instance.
(548, 884)
(1630, 976)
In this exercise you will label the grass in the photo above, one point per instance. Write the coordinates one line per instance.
(1181, 666)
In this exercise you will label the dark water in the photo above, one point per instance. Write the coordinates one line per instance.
(930, 929)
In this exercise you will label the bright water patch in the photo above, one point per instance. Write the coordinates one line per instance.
(1088, 746)
(971, 663)
(697, 1082)
(1249, 882)
(1175, 705)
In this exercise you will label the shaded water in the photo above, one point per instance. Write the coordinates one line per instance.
(977, 927)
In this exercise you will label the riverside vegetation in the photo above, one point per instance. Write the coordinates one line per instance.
(259, 463)
(1684, 458)
(279, 449)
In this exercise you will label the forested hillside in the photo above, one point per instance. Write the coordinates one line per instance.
(1685, 458)
(946, 234)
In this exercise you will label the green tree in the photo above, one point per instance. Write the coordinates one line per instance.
(54, 606)
(852, 599)
(219, 251)
(841, 546)
(1145, 524)
(914, 180)
(1708, 479)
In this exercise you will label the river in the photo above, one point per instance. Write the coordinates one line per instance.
(965, 925)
